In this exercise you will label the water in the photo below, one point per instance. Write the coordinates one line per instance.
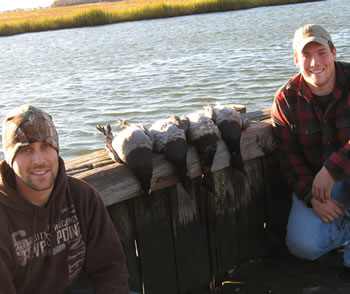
(143, 71)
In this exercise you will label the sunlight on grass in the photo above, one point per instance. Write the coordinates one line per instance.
(12, 23)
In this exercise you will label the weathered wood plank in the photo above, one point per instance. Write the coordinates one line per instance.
(190, 237)
(223, 225)
(115, 182)
(155, 244)
(251, 211)
(88, 162)
(277, 199)
(123, 219)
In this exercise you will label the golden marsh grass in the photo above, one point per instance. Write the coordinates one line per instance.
(12, 23)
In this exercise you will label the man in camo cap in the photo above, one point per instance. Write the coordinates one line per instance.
(53, 226)
(26, 125)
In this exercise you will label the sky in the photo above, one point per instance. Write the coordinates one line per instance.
(14, 4)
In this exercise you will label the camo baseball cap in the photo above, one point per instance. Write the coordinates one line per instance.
(26, 125)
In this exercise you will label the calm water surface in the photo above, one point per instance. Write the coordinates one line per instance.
(143, 71)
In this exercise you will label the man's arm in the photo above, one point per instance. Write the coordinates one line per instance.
(336, 168)
(338, 164)
(322, 185)
(295, 168)
(314, 191)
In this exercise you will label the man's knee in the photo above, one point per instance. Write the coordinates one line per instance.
(302, 248)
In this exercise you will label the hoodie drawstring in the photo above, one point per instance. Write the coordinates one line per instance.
(31, 249)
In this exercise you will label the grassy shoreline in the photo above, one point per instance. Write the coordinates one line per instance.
(13, 23)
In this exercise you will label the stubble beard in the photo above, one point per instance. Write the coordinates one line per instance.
(39, 187)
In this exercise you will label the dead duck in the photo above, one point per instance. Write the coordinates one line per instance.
(133, 147)
(204, 135)
(230, 124)
(108, 139)
(170, 139)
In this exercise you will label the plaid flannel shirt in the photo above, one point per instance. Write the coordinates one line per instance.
(308, 137)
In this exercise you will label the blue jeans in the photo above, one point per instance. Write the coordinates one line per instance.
(308, 237)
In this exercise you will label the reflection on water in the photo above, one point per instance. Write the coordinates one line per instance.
(142, 71)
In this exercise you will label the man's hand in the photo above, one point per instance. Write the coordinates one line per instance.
(322, 185)
(329, 210)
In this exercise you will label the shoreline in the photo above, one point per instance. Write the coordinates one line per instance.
(104, 13)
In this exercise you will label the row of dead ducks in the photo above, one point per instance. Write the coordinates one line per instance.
(134, 145)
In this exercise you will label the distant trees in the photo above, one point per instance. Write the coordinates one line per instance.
(60, 3)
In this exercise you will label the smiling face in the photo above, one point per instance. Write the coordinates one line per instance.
(36, 168)
(316, 64)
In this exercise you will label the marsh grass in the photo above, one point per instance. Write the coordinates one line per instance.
(114, 12)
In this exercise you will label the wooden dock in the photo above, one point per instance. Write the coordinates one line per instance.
(184, 246)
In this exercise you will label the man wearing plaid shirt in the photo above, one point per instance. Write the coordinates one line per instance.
(311, 122)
